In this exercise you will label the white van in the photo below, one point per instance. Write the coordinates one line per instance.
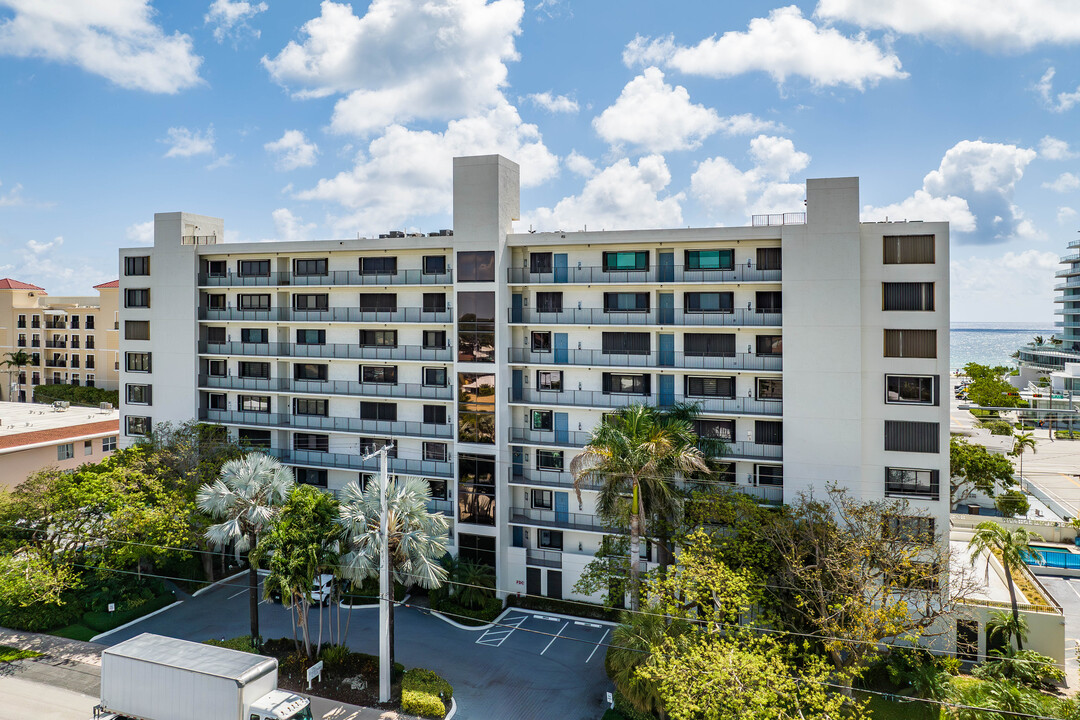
(322, 590)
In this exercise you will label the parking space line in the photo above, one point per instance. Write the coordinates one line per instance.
(495, 637)
(1073, 588)
(237, 594)
(603, 637)
(556, 637)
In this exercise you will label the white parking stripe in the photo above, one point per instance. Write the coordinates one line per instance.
(1073, 588)
(497, 636)
(237, 594)
(556, 637)
(604, 637)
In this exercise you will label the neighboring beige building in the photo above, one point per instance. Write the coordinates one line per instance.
(33, 437)
(71, 340)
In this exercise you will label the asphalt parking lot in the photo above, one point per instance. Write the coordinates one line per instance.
(571, 642)
(1067, 592)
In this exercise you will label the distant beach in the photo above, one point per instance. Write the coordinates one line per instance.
(991, 343)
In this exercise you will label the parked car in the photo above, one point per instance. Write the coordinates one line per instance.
(322, 590)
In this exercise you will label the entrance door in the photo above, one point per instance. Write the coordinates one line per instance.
(532, 581)
(666, 269)
(515, 308)
(559, 263)
(667, 350)
(667, 308)
(554, 584)
(562, 356)
(666, 391)
(562, 507)
(562, 431)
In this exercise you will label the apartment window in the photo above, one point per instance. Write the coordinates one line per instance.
(253, 302)
(549, 460)
(253, 403)
(137, 265)
(260, 268)
(215, 336)
(904, 436)
(65, 451)
(721, 387)
(137, 425)
(434, 264)
(313, 302)
(254, 438)
(626, 302)
(540, 262)
(434, 339)
(906, 482)
(136, 330)
(74, 342)
(908, 528)
(216, 268)
(310, 337)
(215, 302)
(625, 261)
(549, 539)
(311, 441)
(22, 339)
(908, 249)
(770, 389)
(710, 302)
(769, 302)
(378, 411)
(310, 267)
(378, 338)
(136, 298)
(311, 407)
(542, 420)
(108, 444)
(89, 366)
(911, 389)
(218, 401)
(476, 408)
(476, 327)
(725, 473)
(75, 364)
(35, 379)
(477, 548)
(710, 259)
(137, 362)
(311, 476)
(769, 258)
(89, 378)
(259, 336)
(381, 374)
(625, 343)
(138, 394)
(384, 265)
(434, 302)
(434, 377)
(21, 321)
(476, 490)
(541, 342)
(768, 432)
(541, 499)
(549, 380)
(911, 343)
(89, 338)
(216, 368)
(907, 296)
(436, 452)
(35, 341)
(310, 371)
(623, 384)
(476, 266)
(722, 430)
(434, 414)
(254, 370)
(377, 302)
(549, 302)
(770, 344)
(769, 475)
(709, 344)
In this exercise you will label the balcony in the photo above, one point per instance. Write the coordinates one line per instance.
(334, 314)
(562, 438)
(56, 343)
(599, 399)
(349, 461)
(55, 363)
(437, 505)
(559, 519)
(543, 558)
(333, 351)
(681, 360)
(411, 391)
(533, 477)
(669, 316)
(596, 275)
(55, 325)
(336, 277)
(749, 450)
(378, 428)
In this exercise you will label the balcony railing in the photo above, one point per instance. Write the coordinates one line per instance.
(595, 275)
(338, 351)
(381, 428)
(543, 558)
(794, 218)
(655, 316)
(56, 325)
(333, 314)
(559, 519)
(547, 478)
(597, 398)
(749, 450)
(56, 343)
(414, 391)
(668, 358)
(349, 461)
(335, 277)
(55, 362)
(562, 438)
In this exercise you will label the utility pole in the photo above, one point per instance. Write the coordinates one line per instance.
(385, 608)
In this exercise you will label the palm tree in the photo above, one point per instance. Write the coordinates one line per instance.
(1006, 626)
(417, 538)
(1013, 550)
(1038, 339)
(245, 497)
(1023, 442)
(632, 645)
(15, 362)
(632, 455)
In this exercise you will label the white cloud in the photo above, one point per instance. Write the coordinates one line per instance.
(12, 197)
(976, 286)
(230, 18)
(785, 44)
(290, 227)
(403, 60)
(731, 194)
(551, 9)
(293, 150)
(924, 206)
(748, 124)
(1065, 215)
(61, 273)
(117, 40)
(622, 196)
(1064, 183)
(554, 103)
(407, 173)
(580, 165)
(1063, 102)
(141, 233)
(187, 143)
(1051, 148)
(986, 24)
(220, 162)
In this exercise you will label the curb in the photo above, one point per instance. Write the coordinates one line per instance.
(458, 625)
(577, 618)
(453, 709)
(397, 603)
(201, 590)
(136, 620)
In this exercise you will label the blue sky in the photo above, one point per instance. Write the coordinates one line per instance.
(301, 120)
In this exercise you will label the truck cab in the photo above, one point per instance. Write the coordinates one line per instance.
(280, 705)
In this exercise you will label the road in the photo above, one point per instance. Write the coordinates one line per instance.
(1067, 592)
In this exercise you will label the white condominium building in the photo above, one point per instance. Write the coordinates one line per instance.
(816, 347)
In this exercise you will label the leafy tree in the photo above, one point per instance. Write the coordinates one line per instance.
(27, 580)
(632, 644)
(608, 572)
(78, 394)
(245, 498)
(975, 469)
(988, 389)
(1012, 503)
(1012, 548)
(15, 362)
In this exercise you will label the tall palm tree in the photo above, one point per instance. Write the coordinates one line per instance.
(1014, 550)
(15, 362)
(1038, 339)
(417, 538)
(1023, 442)
(245, 497)
(632, 455)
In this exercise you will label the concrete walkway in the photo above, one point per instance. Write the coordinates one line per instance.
(55, 647)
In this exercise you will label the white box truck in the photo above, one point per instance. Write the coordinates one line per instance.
(151, 677)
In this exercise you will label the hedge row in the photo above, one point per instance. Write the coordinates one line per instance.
(78, 394)
(425, 693)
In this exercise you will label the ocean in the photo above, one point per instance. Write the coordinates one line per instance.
(990, 343)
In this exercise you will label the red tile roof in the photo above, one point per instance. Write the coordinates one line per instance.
(9, 284)
(113, 284)
(57, 434)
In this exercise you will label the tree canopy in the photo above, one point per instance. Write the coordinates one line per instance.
(976, 469)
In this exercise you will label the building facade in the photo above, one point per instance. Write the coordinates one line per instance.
(1040, 360)
(814, 345)
(35, 437)
(70, 340)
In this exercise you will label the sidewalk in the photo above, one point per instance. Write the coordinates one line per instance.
(54, 647)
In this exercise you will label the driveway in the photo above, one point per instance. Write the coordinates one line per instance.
(1067, 592)
(543, 667)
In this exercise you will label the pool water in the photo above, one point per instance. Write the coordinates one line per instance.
(1055, 557)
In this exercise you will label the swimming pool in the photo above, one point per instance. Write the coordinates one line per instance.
(1055, 557)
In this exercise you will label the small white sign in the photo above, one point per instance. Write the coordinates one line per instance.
(315, 671)
(610, 700)
(112, 607)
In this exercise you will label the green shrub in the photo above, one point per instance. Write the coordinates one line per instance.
(335, 655)
(578, 609)
(610, 714)
(242, 643)
(103, 621)
(77, 394)
(427, 681)
(367, 593)
(422, 704)
(997, 427)
(487, 612)
(75, 632)
(625, 708)
(41, 616)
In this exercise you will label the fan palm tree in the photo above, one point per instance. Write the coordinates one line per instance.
(417, 538)
(245, 497)
(15, 362)
(1014, 551)
(1023, 442)
(632, 455)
